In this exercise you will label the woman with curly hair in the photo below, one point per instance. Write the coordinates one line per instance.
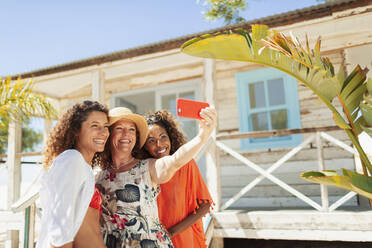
(130, 186)
(185, 198)
(69, 200)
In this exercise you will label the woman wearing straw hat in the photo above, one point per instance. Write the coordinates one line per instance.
(130, 186)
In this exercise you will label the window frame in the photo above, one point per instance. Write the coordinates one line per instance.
(160, 90)
(243, 80)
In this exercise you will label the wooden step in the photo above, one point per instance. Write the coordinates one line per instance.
(294, 225)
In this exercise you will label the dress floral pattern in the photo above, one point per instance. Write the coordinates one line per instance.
(129, 209)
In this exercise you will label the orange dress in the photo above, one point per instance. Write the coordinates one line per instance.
(178, 198)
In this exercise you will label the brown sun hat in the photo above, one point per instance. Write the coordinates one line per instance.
(122, 113)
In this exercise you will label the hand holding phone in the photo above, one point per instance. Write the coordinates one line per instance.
(190, 108)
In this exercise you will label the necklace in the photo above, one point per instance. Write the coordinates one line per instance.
(124, 164)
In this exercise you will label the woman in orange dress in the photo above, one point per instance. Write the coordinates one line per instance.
(185, 198)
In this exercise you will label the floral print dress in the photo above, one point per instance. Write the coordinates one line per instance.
(129, 209)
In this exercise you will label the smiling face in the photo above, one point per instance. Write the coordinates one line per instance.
(93, 134)
(158, 143)
(123, 136)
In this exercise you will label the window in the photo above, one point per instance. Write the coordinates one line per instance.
(168, 102)
(267, 100)
(143, 101)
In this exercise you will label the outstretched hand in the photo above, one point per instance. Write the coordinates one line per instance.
(207, 123)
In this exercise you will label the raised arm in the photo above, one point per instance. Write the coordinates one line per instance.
(163, 169)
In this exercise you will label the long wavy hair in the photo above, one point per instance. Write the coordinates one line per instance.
(63, 135)
(169, 122)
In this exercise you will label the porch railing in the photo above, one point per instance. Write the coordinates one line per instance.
(24, 208)
(317, 134)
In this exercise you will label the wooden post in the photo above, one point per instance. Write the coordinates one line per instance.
(47, 130)
(14, 175)
(212, 163)
(26, 227)
(98, 86)
(31, 226)
(323, 188)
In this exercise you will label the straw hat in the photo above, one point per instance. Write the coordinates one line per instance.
(122, 113)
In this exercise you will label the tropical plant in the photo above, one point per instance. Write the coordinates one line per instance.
(18, 102)
(30, 137)
(286, 53)
(229, 10)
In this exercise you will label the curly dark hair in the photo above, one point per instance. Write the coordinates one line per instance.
(63, 135)
(105, 159)
(169, 122)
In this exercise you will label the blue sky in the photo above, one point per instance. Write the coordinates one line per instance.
(41, 33)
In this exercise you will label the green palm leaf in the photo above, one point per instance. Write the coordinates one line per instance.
(19, 102)
(350, 180)
(366, 104)
(366, 110)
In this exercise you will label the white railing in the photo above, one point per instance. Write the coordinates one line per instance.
(22, 214)
(317, 136)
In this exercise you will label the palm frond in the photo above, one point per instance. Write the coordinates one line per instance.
(349, 180)
(366, 109)
(19, 102)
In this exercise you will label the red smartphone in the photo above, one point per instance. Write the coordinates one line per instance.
(189, 108)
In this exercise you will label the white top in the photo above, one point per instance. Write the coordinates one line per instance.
(66, 191)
